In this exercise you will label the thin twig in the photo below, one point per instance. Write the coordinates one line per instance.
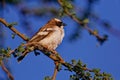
(13, 29)
(80, 22)
(6, 71)
(92, 32)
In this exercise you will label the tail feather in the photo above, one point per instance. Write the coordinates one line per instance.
(19, 59)
(25, 53)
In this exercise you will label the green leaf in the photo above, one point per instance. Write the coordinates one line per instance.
(20, 48)
(74, 62)
(47, 78)
(67, 4)
(85, 21)
(79, 63)
(59, 66)
(11, 24)
(96, 70)
(2, 50)
(88, 74)
(0, 61)
(95, 32)
(5, 53)
(69, 67)
(13, 35)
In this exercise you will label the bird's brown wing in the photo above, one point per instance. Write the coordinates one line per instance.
(41, 34)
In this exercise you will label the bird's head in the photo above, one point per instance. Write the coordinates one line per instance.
(57, 22)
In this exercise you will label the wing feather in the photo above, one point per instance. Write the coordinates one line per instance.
(41, 34)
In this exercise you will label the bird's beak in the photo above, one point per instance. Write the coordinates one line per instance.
(64, 24)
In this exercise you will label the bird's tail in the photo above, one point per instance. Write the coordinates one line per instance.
(19, 59)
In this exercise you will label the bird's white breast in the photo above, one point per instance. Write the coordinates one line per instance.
(54, 39)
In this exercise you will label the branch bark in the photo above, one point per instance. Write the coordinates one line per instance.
(6, 71)
(85, 25)
(13, 29)
(55, 71)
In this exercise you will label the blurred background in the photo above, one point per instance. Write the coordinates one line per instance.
(30, 15)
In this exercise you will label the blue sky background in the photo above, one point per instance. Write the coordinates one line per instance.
(105, 57)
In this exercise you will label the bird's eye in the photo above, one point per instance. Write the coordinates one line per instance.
(59, 24)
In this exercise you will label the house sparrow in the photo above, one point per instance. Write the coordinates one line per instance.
(50, 36)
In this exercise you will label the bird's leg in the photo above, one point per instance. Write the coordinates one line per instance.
(57, 55)
(46, 49)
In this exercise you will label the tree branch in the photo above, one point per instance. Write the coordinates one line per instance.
(6, 71)
(13, 29)
(55, 71)
(101, 39)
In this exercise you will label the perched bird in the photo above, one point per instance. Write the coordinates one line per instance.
(50, 36)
